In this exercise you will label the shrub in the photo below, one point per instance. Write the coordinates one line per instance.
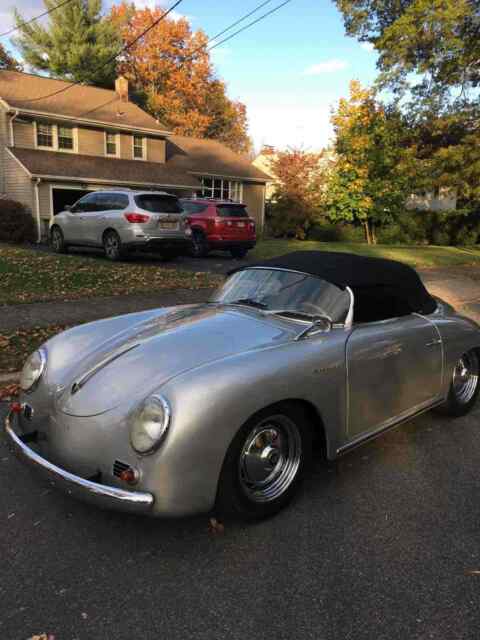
(16, 222)
(329, 232)
(290, 218)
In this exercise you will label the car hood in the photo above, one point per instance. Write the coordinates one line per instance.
(130, 365)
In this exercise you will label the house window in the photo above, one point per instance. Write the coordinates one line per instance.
(221, 189)
(111, 144)
(139, 147)
(44, 135)
(57, 137)
(65, 138)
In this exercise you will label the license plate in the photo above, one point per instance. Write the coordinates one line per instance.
(167, 225)
(240, 224)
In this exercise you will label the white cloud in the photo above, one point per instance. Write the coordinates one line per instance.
(367, 46)
(329, 66)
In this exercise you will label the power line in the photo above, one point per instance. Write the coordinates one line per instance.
(114, 57)
(24, 24)
(250, 24)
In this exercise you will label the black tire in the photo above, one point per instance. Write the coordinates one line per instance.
(238, 252)
(199, 244)
(57, 240)
(113, 246)
(238, 494)
(464, 387)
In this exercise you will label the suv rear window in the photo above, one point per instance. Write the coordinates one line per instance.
(232, 211)
(156, 203)
(193, 207)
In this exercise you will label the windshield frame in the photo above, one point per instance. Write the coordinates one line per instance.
(347, 325)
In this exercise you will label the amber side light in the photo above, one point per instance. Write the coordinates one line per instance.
(130, 476)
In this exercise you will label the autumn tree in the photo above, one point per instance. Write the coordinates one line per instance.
(7, 61)
(300, 191)
(172, 75)
(374, 170)
(76, 44)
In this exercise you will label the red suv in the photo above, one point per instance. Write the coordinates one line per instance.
(219, 224)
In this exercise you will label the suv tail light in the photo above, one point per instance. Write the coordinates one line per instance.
(252, 224)
(136, 218)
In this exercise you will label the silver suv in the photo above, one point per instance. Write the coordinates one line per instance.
(120, 221)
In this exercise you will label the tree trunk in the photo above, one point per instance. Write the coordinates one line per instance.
(367, 232)
(372, 233)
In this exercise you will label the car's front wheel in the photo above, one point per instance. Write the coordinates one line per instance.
(464, 387)
(265, 463)
(57, 240)
(112, 246)
(199, 244)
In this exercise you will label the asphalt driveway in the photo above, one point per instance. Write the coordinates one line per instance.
(382, 545)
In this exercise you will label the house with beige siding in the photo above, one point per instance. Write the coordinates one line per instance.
(58, 141)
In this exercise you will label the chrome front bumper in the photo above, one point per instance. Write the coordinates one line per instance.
(98, 494)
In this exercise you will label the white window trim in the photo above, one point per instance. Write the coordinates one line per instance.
(55, 146)
(117, 144)
(144, 147)
(222, 185)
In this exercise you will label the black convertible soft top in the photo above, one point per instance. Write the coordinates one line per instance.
(368, 278)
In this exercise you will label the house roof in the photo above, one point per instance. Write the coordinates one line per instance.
(55, 164)
(81, 102)
(210, 157)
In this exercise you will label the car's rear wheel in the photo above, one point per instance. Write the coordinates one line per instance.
(238, 252)
(464, 387)
(199, 244)
(113, 246)
(265, 463)
(57, 240)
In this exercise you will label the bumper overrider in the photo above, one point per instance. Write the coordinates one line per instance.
(86, 490)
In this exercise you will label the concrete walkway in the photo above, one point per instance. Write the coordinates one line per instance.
(459, 286)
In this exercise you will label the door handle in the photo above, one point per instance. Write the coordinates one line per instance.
(433, 343)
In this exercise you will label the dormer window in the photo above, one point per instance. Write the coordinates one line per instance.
(57, 137)
(111, 144)
(139, 147)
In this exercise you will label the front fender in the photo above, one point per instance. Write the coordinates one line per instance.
(211, 403)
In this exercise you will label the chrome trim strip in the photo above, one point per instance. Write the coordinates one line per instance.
(390, 424)
(78, 384)
(103, 495)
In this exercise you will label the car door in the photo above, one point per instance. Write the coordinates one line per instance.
(91, 217)
(394, 368)
(72, 222)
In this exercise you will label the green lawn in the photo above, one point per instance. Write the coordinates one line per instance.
(28, 275)
(416, 256)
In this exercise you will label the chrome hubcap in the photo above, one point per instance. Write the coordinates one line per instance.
(111, 245)
(465, 377)
(270, 459)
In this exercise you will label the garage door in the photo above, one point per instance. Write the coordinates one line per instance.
(62, 197)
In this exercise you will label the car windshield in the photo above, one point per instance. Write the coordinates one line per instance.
(285, 292)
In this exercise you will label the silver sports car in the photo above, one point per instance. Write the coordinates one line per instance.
(215, 406)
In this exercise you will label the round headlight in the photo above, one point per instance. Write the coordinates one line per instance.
(33, 369)
(150, 424)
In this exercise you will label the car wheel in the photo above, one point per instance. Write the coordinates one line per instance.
(199, 245)
(57, 240)
(464, 386)
(112, 245)
(265, 463)
(238, 252)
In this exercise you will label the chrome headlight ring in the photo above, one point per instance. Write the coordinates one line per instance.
(33, 370)
(150, 423)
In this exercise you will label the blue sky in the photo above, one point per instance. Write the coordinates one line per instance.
(288, 69)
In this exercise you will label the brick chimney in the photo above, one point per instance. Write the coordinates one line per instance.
(121, 87)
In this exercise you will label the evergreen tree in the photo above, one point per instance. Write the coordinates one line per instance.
(7, 61)
(75, 45)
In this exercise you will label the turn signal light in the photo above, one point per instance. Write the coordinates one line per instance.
(130, 476)
(136, 218)
(16, 407)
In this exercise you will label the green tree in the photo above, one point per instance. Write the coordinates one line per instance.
(375, 170)
(76, 44)
(7, 61)
(434, 40)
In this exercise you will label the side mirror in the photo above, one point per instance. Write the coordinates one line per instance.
(319, 325)
(68, 207)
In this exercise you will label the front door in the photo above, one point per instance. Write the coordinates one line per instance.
(394, 368)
